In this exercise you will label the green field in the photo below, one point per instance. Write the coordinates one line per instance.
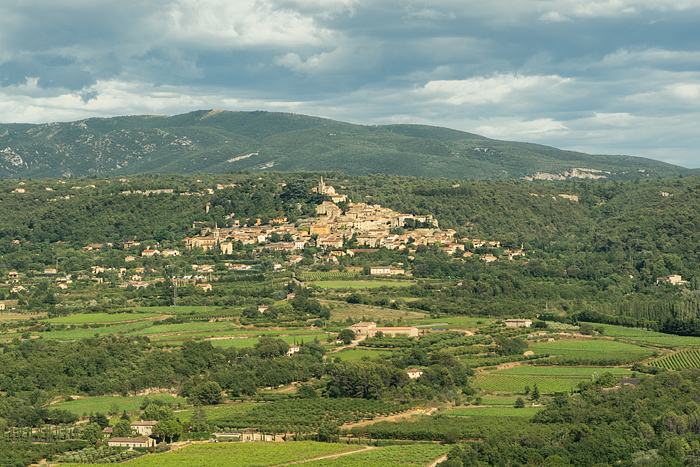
(525, 412)
(108, 404)
(239, 454)
(406, 455)
(603, 352)
(251, 341)
(515, 384)
(357, 354)
(360, 284)
(658, 339)
(452, 322)
(79, 333)
(679, 360)
(217, 412)
(563, 371)
(87, 318)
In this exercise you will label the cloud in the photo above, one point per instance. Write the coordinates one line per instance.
(484, 90)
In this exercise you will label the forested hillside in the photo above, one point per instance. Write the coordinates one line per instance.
(590, 246)
(222, 141)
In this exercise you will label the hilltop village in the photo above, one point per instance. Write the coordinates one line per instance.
(338, 224)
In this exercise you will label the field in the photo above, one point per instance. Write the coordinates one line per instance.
(87, 318)
(525, 412)
(251, 341)
(341, 311)
(549, 379)
(600, 351)
(563, 371)
(512, 384)
(658, 339)
(360, 284)
(239, 454)
(107, 404)
(107, 330)
(407, 455)
(679, 360)
(357, 354)
(461, 322)
(320, 275)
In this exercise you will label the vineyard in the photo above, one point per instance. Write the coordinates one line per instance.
(658, 339)
(113, 405)
(320, 275)
(240, 454)
(515, 384)
(680, 360)
(307, 415)
(525, 412)
(398, 456)
(592, 352)
(375, 284)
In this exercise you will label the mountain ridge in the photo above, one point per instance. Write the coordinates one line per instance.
(218, 141)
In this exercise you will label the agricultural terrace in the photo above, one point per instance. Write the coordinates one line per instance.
(360, 284)
(307, 415)
(113, 405)
(88, 318)
(357, 354)
(395, 456)
(240, 454)
(679, 360)
(459, 322)
(525, 412)
(251, 341)
(548, 379)
(643, 336)
(591, 352)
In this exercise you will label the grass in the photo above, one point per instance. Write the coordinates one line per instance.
(238, 454)
(251, 341)
(659, 339)
(495, 383)
(360, 284)
(217, 412)
(108, 404)
(591, 349)
(452, 322)
(87, 318)
(400, 456)
(357, 354)
(525, 412)
(563, 371)
(100, 331)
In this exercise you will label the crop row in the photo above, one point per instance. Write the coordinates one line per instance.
(680, 360)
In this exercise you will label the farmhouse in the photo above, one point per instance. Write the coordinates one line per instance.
(385, 271)
(292, 350)
(143, 427)
(414, 373)
(674, 279)
(362, 328)
(518, 323)
(132, 442)
(395, 331)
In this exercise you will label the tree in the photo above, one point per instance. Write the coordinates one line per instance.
(92, 433)
(167, 429)
(157, 412)
(347, 336)
(208, 393)
(122, 429)
(535, 395)
(519, 403)
(199, 419)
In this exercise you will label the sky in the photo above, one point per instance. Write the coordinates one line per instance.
(598, 76)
